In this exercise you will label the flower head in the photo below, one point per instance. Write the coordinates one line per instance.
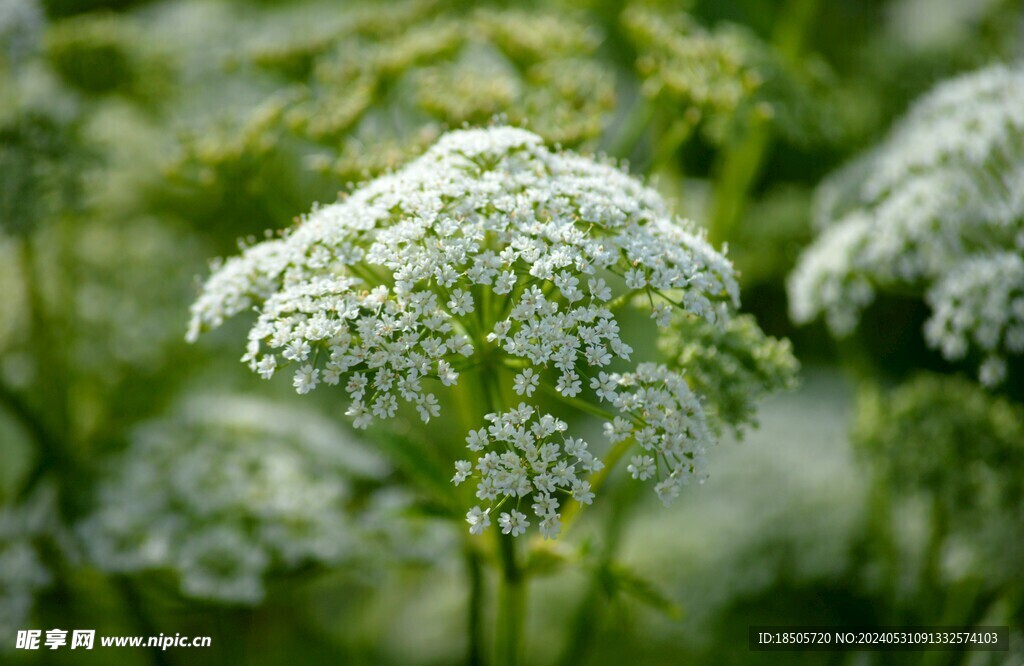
(936, 209)
(223, 493)
(490, 252)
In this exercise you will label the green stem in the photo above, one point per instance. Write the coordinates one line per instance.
(581, 405)
(930, 581)
(508, 643)
(741, 161)
(736, 177)
(508, 636)
(677, 134)
(135, 609)
(49, 454)
(587, 621)
(474, 609)
(596, 481)
(47, 422)
(633, 128)
(53, 374)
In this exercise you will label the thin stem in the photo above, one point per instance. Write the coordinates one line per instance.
(475, 606)
(588, 615)
(508, 643)
(48, 422)
(51, 366)
(581, 405)
(597, 480)
(135, 608)
(742, 161)
(49, 452)
(508, 637)
(678, 132)
(470, 399)
(633, 128)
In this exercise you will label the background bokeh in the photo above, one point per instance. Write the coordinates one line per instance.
(150, 486)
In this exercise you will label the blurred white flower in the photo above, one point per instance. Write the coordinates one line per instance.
(937, 209)
(979, 303)
(223, 492)
(22, 23)
(22, 572)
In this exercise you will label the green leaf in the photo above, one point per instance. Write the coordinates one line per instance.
(619, 579)
(421, 466)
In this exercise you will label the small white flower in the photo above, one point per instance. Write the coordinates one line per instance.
(297, 350)
(478, 520)
(526, 382)
(306, 379)
(427, 407)
(463, 470)
(476, 440)
(598, 355)
(635, 278)
(574, 447)
(667, 490)
(618, 430)
(545, 505)
(641, 467)
(551, 525)
(581, 492)
(445, 373)
(513, 523)
(266, 366)
(662, 314)
(604, 386)
(569, 384)
(461, 302)
(506, 282)
(599, 290)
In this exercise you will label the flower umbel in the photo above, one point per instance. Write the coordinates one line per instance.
(490, 254)
(937, 210)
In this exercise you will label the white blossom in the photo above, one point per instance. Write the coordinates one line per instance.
(526, 382)
(384, 283)
(641, 467)
(980, 304)
(536, 459)
(513, 523)
(937, 209)
(478, 520)
(490, 254)
(660, 411)
(222, 493)
(23, 573)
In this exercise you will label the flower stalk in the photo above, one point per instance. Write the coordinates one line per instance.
(509, 633)
(495, 267)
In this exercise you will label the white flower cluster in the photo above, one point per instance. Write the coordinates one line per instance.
(519, 461)
(980, 303)
(488, 251)
(21, 26)
(667, 421)
(922, 211)
(225, 492)
(489, 235)
(537, 463)
(22, 573)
